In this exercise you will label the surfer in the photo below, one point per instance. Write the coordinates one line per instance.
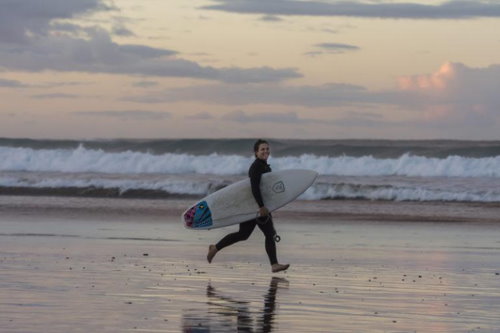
(264, 221)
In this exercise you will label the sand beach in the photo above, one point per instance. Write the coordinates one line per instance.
(116, 265)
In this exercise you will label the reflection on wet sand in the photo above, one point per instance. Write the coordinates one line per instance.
(226, 314)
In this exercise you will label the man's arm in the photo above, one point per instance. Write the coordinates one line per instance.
(255, 176)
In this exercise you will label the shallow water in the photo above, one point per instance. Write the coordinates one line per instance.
(68, 275)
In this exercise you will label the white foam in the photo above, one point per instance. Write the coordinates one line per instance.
(129, 162)
(168, 186)
(352, 191)
(201, 187)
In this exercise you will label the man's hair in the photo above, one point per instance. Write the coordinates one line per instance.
(257, 144)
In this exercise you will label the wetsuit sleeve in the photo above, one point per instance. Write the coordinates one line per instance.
(255, 175)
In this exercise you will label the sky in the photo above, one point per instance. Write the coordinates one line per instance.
(311, 69)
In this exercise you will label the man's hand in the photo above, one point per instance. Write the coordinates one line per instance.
(263, 211)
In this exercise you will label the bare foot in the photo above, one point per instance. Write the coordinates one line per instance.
(279, 267)
(212, 250)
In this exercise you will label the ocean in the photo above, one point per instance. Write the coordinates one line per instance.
(432, 170)
(402, 235)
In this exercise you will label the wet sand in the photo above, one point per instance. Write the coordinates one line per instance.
(114, 265)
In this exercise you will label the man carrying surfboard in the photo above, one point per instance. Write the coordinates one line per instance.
(258, 167)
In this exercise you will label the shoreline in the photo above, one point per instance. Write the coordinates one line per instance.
(90, 192)
(324, 210)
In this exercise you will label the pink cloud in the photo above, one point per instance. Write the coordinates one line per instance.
(456, 93)
(437, 81)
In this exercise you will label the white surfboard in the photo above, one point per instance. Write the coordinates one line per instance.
(235, 203)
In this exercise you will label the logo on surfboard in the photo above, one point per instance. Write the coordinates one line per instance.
(278, 187)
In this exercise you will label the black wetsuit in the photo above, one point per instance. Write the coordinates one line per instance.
(255, 172)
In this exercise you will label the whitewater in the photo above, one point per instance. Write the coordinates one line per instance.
(184, 173)
(130, 162)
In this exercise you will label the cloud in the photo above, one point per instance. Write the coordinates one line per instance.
(458, 83)
(145, 84)
(266, 117)
(437, 81)
(464, 9)
(20, 20)
(332, 48)
(308, 96)
(29, 42)
(200, 116)
(451, 83)
(122, 30)
(271, 18)
(55, 95)
(126, 114)
(337, 47)
(362, 119)
(18, 84)
(346, 119)
(66, 27)
(63, 84)
(456, 92)
(100, 54)
(11, 84)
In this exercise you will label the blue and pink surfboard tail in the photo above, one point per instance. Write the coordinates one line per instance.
(198, 217)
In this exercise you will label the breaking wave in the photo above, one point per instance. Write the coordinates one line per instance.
(82, 159)
(395, 193)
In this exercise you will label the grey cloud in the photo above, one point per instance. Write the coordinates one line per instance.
(11, 84)
(267, 117)
(364, 115)
(126, 114)
(464, 9)
(26, 45)
(63, 84)
(55, 96)
(271, 18)
(314, 53)
(309, 96)
(20, 19)
(338, 47)
(253, 75)
(121, 30)
(145, 84)
(66, 27)
(142, 51)
(462, 95)
(362, 119)
(351, 119)
(201, 116)
(17, 84)
(331, 31)
(332, 48)
(100, 54)
(248, 117)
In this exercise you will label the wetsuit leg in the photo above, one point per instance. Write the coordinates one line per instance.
(246, 229)
(269, 232)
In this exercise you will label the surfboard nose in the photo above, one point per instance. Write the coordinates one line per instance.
(312, 174)
(306, 176)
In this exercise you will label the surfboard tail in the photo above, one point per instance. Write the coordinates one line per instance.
(189, 217)
(198, 217)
